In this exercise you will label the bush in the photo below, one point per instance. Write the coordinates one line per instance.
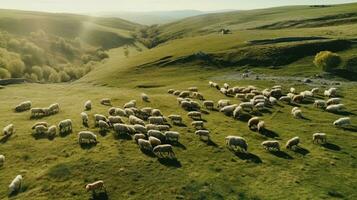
(38, 71)
(16, 68)
(327, 60)
(351, 65)
(54, 77)
(4, 73)
(64, 76)
(47, 71)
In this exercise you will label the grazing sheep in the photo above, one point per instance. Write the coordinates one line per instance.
(333, 101)
(39, 123)
(170, 91)
(320, 104)
(98, 117)
(144, 145)
(129, 111)
(293, 90)
(106, 102)
(223, 91)
(115, 119)
(94, 186)
(332, 92)
(52, 131)
(117, 112)
(37, 112)
(335, 108)
(179, 100)
(103, 126)
(164, 151)
(198, 125)
(342, 121)
(197, 95)
(26, 105)
(46, 111)
(154, 141)
(240, 96)
(195, 115)
(228, 110)
(261, 126)
(54, 108)
(87, 137)
(285, 99)
(204, 134)
(130, 104)
(172, 136)
(65, 126)
(253, 122)
(151, 127)
(273, 100)
(158, 120)
(249, 96)
(186, 105)
(140, 128)
(177, 93)
(297, 113)
(237, 112)
(193, 89)
(306, 94)
(319, 137)
(291, 95)
(2, 160)
(163, 127)
(135, 120)
(85, 119)
(260, 106)
(15, 185)
(247, 106)
(184, 94)
(276, 87)
(156, 112)
(223, 102)
(145, 97)
(176, 119)
(155, 133)
(88, 105)
(226, 85)
(139, 136)
(298, 98)
(9, 130)
(315, 91)
(40, 129)
(208, 105)
(147, 110)
(277, 93)
(236, 143)
(292, 143)
(271, 145)
(122, 129)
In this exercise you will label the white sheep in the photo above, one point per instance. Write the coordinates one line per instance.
(293, 90)
(176, 119)
(203, 134)
(115, 119)
(39, 123)
(130, 104)
(54, 108)
(138, 136)
(106, 102)
(96, 185)
(198, 125)
(271, 145)
(98, 117)
(176, 92)
(253, 122)
(193, 89)
(195, 115)
(85, 119)
(163, 127)
(154, 141)
(208, 104)
(273, 100)
(52, 131)
(170, 91)
(236, 143)
(151, 127)
(226, 85)
(315, 91)
(332, 92)
(164, 151)
(320, 104)
(123, 129)
(40, 129)
(172, 136)
(26, 105)
(197, 95)
(103, 126)
(292, 143)
(184, 94)
(247, 106)
(319, 137)
(237, 112)
(37, 112)
(156, 120)
(156, 112)
(156, 133)
(342, 121)
(228, 110)
(144, 145)
(9, 130)
(88, 105)
(145, 97)
(2, 160)
(15, 185)
(117, 112)
(223, 102)
(260, 106)
(261, 126)
(285, 99)
(65, 126)
(298, 98)
(333, 101)
(140, 128)
(335, 108)
(297, 113)
(86, 137)
(240, 96)
(135, 120)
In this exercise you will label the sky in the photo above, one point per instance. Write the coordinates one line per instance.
(80, 6)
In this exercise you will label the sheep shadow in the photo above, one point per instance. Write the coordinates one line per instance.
(180, 124)
(269, 133)
(301, 150)
(88, 145)
(266, 111)
(4, 139)
(281, 154)
(99, 196)
(305, 118)
(65, 134)
(211, 143)
(331, 146)
(179, 145)
(205, 112)
(123, 137)
(148, 153)
(351, 128)
(244, 117)
(103, 133)
(248, 156)
(344, 113)
(170, 162)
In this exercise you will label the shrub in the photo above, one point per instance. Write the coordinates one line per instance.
(327, 60)
(4, 73)
(16, 68)
(47, 71)
(64, 76)
(34, 77)
(38, 71)
(351, 65)
(54, 77)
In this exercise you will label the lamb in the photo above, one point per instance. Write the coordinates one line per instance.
(271, 145)
(164, 151)
(154, 141)
(98, 117)
(88, 105)
(103, 126)
(208, 105)
(139, 136)
(342, 121)
(140, 128)
(9, 130)
(223, 102)
(176, 119)
(15, 185)
(156, 120)
(184, 94)
(253, 122)
(115, 119)
(237, 112)
(135, 120)
(198, 125)
(335, 108)
(195, 115)
(292, 143)
(156, 112)
(117, 112)
(2, 160)
(40, 129)
(106, 102)
(247, 106)
(144, 145)
(145, 97)
(333, 101)
(228, 110)
(54, 108)
(204, 134)
(158, 134)
(236, 143)
(320, 104)
(85, 119)
(261, 126)
(94, 186)
(172, 136)
(285, 99)
(130, 104)
(24, 106)
(87, 137)
(319, 137)
(52, 131)
(65, 126)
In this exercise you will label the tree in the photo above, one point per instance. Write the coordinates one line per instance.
(327, 60)
(16, 68)
(38, 71)
(4, 73)
(54, 77)
(64, 76)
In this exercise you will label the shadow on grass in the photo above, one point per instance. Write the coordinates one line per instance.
(351, 128)
(269, 133)
(331, 146)
(281, 154)
(64, 134)
(123, 137)
(211, 143)
(170, 162)
(244, 117)
(99, 196)
(179, 145)
(266, 111)
(301, 150)
(344, 113)
(103, 133)
(248, 156)
(148, 153)
(180, 124)
(88, 145)
(205, 112)
(4, 139)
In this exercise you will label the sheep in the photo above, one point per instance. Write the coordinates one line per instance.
(156, 112)
(103, 126)
(151, 127)
(273, 100)
(292, 143)
(198, 125)
(333, 101)
(253, 122)
(39, 123)
(236, 143)
(115, 119)
(164, 151)
(261, 126)
(266, 92)
(85, 119)
(140, 128)
(26, 105)
(123, 129)
(135, 120)
(285, 99)
(175, 119)
(96, 185)
(52, 131)
(130, 104)
(317, 137)
(170, 91)
(87, 137)
(129, 111)
(65, 126)
(240, 96)
(145, 97)
(260, 106)
(314, 91)
(193, 89)
(184, 94)
(247, 106)
(177, 93)
(172, 136)
(98, 117)
(15, 185)
(163, 127)
(320, 104)
(195, 105)
(296, 112)
(88, 105)
(195, 115)
(271, 145)
(228, 110)
(293, 90)
(306, 94)
(223, 102)
(237, 112)
(106, 102)
(204, 134)
(37, 112)
(154, 141)
(9, 130)
(291, 95)
(298, 98)
(332, 92)
(186, 105)
(139, 136)
(40, 129)
(54, 108)
(156, 120)
(144, 145)
(47, 111)
(276, 87)
(155, 133)
(277, 93)
(147, 110)
(342, 121)
(117, 112)
(2, 160)
(179, 100)
(335, 108)
(226, 85)
(197, 95)
(208, 104)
